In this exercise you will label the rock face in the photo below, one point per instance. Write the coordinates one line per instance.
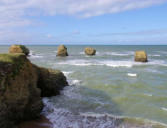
(51, 82)
(62, 51)
(19, 49)
(90, 51)
(141, 56)
(21, 86)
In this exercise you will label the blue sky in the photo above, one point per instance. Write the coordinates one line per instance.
(83, 22)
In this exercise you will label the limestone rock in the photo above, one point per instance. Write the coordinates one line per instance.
(19, 49)
(90, 51)
(141, 56)
(62, 51)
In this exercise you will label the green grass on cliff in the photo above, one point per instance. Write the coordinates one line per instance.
(10, 58)
(13, 61)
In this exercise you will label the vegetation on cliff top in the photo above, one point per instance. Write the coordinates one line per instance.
(12, 62)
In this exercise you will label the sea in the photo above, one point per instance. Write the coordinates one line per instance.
(108, 90)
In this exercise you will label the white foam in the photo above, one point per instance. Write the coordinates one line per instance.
(147, 94)
(82, 53)
(110, 63)
(74, 82)
(132, 74)
(119, 53)
(64, 118)
(165, 109)
(98, 63)
(33, 55)
(117, 63)
(156, 55)
(67, 73)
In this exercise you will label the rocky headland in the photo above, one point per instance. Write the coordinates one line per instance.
(22, 86)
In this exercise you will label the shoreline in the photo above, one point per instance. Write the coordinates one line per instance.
(41, 122)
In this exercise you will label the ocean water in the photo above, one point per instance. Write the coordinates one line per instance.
(108, 90)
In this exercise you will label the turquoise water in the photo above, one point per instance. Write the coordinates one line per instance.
(109, 83)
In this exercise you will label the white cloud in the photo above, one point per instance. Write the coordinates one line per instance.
(88, 8)
(15, 14)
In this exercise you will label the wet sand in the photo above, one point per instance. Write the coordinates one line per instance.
(42, 122)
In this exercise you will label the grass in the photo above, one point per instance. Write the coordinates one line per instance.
(14, 61)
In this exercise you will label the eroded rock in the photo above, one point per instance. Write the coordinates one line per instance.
(62, 51)
(21, 86)
(90, 51)
(19, 49)
(141, 56)
(51, 82)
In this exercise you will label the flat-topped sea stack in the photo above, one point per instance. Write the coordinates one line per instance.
(90, 51)
(62, 51)
(141, 56)
(19, 49)
(22, 86)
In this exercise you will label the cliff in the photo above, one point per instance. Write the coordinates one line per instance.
(22, 84)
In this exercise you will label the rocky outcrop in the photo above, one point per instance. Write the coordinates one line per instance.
(21, 86)
(51, 82)
(90, 51)
(62, 51)
(19, 49)
(141, 56)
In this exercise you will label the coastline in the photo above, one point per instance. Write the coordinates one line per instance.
(41, 122)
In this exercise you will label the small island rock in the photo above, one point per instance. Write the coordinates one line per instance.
(19, 49)
(141, 56)
(90, 51)
(62, 51)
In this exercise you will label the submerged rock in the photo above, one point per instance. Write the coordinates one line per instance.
(141, 56)
(19, 49)
(51, 82)
(62, 51)
(90, 51)
(20, 97)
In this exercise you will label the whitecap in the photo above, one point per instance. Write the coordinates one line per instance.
(67, 73)
(163, 108)
(82, 53)
(119, 53)
(110, 63)
(33, 55)
(155, 55)
(132, 74)
(74, 82)
(148, 94)
(98, 63)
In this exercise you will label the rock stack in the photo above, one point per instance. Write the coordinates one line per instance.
(19, 49)
(62, 51)
(90, 51)
(141, 56)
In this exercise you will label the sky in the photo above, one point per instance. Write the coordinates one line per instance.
(109, 22)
